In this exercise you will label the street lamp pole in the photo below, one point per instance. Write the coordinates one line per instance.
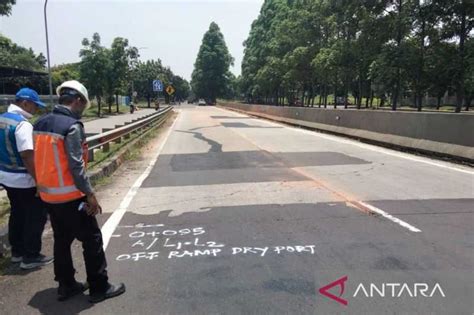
(47, 53)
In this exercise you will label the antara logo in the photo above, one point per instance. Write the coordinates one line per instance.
(394, 290)
(340, 283)
(397, 290)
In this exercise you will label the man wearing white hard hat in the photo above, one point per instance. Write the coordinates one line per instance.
(61, 160)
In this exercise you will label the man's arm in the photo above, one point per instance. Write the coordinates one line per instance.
(28, 158)
(77, 167)
(24, 145)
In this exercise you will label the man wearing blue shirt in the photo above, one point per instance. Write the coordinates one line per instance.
(17, 176)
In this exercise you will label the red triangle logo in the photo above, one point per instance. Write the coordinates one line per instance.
(340, 283)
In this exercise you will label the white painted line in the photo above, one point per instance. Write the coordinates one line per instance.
(368, 146)
(390, 217)
(109, 227)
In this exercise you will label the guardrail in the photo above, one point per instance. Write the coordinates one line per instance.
(103, 140)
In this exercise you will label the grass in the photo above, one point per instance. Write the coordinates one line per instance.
(4, 263)
(4, 210)
(91, 112)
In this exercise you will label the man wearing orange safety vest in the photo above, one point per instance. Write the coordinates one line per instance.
(61, 159)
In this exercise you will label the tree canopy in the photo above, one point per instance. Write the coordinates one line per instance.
(109, 72)
(389, 49)
(211, 76)
(6, 6)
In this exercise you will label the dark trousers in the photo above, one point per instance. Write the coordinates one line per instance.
(68, 224)
(26, 224)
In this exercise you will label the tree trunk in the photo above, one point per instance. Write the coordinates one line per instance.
(325, 96)
(320, 97)
(346, 92)
(359, 97)
(399, 55)
(420, 102)
(438, 105)
(99, 99)
(420, 66)
(117, 102)
(462, 39)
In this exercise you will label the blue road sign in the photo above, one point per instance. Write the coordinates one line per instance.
(157, 86)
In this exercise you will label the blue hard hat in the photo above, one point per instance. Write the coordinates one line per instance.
(28, 94)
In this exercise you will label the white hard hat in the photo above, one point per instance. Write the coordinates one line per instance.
(76, 86)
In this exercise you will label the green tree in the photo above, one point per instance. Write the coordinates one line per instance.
(64, 72)
(181, 86)
(13, 55)
(211, 69)
(6, 6)
(457, 17)
(143, 75)
(121, 56)
(94, 68)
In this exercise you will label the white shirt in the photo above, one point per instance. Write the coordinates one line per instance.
(24, 141)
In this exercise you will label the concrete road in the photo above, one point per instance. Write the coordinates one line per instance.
(244, 216)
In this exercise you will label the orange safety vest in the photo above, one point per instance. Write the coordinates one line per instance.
(53, 177)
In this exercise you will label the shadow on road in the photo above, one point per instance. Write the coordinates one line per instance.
(46, 303)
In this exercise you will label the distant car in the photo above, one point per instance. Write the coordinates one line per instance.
(209, 102)
(201, 102)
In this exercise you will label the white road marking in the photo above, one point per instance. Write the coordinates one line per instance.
(109, 227)
(367, 146)
(390, 217)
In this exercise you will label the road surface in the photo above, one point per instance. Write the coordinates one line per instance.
(244, 216)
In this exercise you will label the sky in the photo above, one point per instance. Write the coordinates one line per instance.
(171, 30)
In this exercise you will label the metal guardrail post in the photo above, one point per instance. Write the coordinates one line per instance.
(106, 146)
(118, 140)
(90, 157)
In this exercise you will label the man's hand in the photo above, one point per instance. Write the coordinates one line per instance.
(28, 158)
(93, 207)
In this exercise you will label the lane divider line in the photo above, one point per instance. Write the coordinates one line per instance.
(113, 221)
(388, 216)
(358, 204)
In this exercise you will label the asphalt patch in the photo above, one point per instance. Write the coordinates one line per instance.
(243, 125)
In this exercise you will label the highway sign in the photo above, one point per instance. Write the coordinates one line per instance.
(170, 90)
(157, 86)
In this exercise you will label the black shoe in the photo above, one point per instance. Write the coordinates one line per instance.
(32, 263)
(113, 291)
(65, 292)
